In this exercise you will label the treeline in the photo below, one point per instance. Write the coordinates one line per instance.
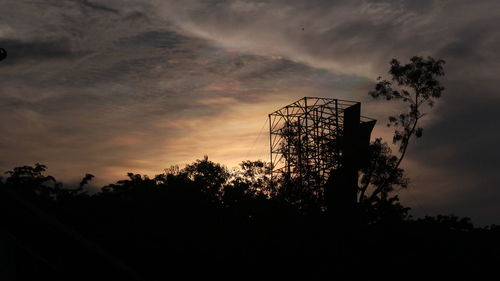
(205, 219)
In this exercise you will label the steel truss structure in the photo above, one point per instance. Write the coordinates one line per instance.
(305, 140)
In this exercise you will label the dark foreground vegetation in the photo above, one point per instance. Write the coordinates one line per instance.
(204, 219)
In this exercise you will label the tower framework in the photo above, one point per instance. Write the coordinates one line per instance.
(305, 140)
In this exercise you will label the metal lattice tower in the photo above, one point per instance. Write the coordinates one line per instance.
(305, 140)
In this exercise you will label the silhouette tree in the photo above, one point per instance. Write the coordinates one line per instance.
(382, 163)
(173, 221)
(255, 174)
(251, 180)
(86, 179)
(415, 84)
(208, 175)
(31, 182)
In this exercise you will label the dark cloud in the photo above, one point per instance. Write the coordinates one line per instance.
(19, 51)
(97, 7)
(136, 17)
(466, 139)
(157, 39)
(345, 36)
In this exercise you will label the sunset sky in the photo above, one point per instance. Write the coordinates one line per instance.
(117, 86)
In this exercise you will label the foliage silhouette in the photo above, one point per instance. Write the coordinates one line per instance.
(208, 219)
(416, 84)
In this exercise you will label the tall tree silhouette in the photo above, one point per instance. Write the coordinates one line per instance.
(416, 85)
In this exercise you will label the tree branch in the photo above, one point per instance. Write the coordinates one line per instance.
(396, 167)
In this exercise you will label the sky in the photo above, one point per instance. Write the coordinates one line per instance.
(115, 86)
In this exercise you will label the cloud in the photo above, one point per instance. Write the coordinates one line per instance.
(97, 7)
(19, 50)
(155, 39)
(344, 36)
